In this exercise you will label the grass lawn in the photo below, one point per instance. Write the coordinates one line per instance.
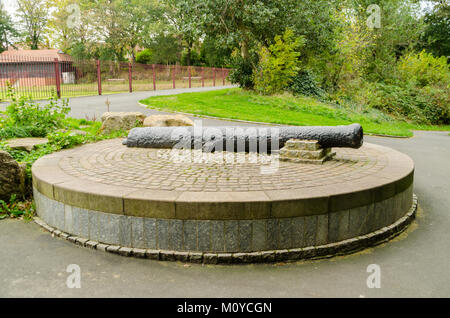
(284, 109)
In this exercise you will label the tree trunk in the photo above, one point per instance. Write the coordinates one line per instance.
(244, 50)
(188, 60)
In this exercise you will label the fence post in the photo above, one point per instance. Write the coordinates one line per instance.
(189, 72)
(99, 78)
(214, 76)
(130, 78)
(154, 77)
(223, 76)
(57, 78)
(173, 76)
(203, 76)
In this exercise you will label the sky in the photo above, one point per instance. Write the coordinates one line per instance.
(10, 6)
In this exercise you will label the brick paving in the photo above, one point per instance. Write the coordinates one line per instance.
(109, 162)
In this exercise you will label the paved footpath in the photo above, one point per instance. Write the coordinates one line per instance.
(33, 264)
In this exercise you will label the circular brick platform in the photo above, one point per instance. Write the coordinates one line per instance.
(108, 196)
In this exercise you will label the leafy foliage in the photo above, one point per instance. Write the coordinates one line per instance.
(27, 118)
(421, 105)
(424, 69)
(435, 38)
(278, 63)
(242, 71)
(145, 56)
(165, 48)
(303, 83)
(190, 57)
(8, 31)
(16, 209)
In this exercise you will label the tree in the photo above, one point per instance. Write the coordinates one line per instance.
(399, 33)
(121, 25)
(319, 22)
(7, 30)
(213, 54)
(33, 15)
(436, 38)
(165, 48)
(244, 24)
(136, 20)
(68, 24)
(185, 18)
(278, 63)
(144, 57)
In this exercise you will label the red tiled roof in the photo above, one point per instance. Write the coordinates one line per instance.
(34, 55)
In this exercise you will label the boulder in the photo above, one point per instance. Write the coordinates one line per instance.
(12, 176)
(27, 144)
(113, 121)
(167, 121)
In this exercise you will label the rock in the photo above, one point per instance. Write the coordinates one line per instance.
(27, 144)
(167, 121)
(113, 121)
(12, 176)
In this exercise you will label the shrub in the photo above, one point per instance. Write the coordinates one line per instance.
(424, 69)
(242, 72)
(436, 109)
(426, 105)
(278, 64)
(15, 209)
(303, 83)
(27, 118)
(8, 132)
(195, 58)
(144, 57)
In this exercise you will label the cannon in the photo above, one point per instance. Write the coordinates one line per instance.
(238, 139)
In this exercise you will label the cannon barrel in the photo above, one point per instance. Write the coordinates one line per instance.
(243, 138)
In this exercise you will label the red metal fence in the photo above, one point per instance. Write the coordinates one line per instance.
(40, 78)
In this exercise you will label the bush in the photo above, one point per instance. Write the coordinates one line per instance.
(30, 119)
(278, 64)
(426, 105)
(436, 109)
(242, 72)
(303, 83)
(8, 132)
(424, 69)
(15, 209)
(144, 57)
(195, 58)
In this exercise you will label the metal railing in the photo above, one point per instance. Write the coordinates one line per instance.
(40, 78)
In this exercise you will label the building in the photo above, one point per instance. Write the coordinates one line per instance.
(35, 67)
